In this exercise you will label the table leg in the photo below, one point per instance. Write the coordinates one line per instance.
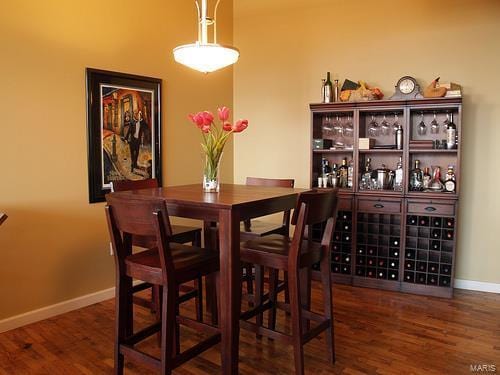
(210, 242)
(230, 289)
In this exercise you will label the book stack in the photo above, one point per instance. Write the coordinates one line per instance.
(454, 90)
(421, 144)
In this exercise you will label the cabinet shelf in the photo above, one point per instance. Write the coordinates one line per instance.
(345, 151)
(381, 151)
(433, 151)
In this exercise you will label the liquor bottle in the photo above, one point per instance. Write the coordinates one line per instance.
(334, 176)
(451, 134)
(416, 177)
(427, 178)
(325, 167)
(343, 174)
(327, 90)
(350, 173)
(450, 182)
(436, 184)
(399, 137)
(367, 175)
(398, 179)
(336, 90)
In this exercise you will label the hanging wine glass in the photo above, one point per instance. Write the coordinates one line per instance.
(373, 128)
(327, 125)
(434, 125)
(384, 126)
(395, 125)
(349, 132)
(337, 126)
(422, 127)
(340, 140)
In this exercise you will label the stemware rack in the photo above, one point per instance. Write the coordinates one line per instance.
(397, 240)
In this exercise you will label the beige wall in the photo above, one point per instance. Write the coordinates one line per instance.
(287, 46)
(54, 245)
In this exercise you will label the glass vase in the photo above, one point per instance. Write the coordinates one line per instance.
(211, 183)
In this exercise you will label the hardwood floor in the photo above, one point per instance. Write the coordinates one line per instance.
(377, 332)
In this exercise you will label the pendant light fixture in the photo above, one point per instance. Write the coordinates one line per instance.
(204, 56)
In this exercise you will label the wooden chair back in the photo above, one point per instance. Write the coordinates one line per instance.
(274, 182)
(314, 207)
(129, 218)
(3, 217)
(124, 185)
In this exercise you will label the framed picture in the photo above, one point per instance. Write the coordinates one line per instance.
(123, 129)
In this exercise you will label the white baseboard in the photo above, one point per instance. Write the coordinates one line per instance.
(478, 286)
(57, 309)
(103, 295)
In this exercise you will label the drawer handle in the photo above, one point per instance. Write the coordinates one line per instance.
(430, 208)
(378, 205)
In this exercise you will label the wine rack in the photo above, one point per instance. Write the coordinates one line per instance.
(429, 250)
(341, 257)
(378, 246)
(391, 239)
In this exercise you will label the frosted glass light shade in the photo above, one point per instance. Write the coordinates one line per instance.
(207, 57)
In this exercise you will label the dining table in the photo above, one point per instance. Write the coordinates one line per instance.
(225, 210)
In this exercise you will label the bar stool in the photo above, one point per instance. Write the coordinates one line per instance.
(252, 229)
(293, 255)
(167, 266)
(180, 234)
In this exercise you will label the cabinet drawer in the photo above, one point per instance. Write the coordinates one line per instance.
(345, 204)
(431, 208)
(379, 206)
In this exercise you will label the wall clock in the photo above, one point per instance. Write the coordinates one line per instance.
(407, 88)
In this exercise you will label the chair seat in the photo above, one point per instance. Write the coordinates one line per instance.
(189, 262)
(272, 251)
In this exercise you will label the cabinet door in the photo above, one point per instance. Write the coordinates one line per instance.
(430, 242)
(341, 258)
(378, 238)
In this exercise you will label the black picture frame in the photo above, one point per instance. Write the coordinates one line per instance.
(107, 94)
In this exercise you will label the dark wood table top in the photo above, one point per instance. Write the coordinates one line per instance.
(229, 196)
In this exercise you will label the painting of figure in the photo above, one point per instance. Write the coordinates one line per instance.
(124, 128)
(127, 128)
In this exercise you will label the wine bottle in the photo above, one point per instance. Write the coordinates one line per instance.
(343, 174)
(451, 134)
(327, 89)
(350, 174)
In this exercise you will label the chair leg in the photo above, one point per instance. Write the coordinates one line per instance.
(249, 277)
(328, 306)
(305, 290)
(259, 291)
(124, 319)
(198, 301)
(211, 297)
(158, 311)
(287, 292)
(155, 299)
(296, 312)
(273, 295)
(169, 306)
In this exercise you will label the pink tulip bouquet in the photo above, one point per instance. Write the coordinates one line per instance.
(214, 140)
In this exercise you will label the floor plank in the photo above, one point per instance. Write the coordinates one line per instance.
(377, 332)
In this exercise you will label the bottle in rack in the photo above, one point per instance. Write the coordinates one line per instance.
(327, 90)
(450, 183)
(334, 176)
(343, 174)
(451, 134)
(398, 179)
(416, 177)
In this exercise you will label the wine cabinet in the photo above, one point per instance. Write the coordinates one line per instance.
(385, 237)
